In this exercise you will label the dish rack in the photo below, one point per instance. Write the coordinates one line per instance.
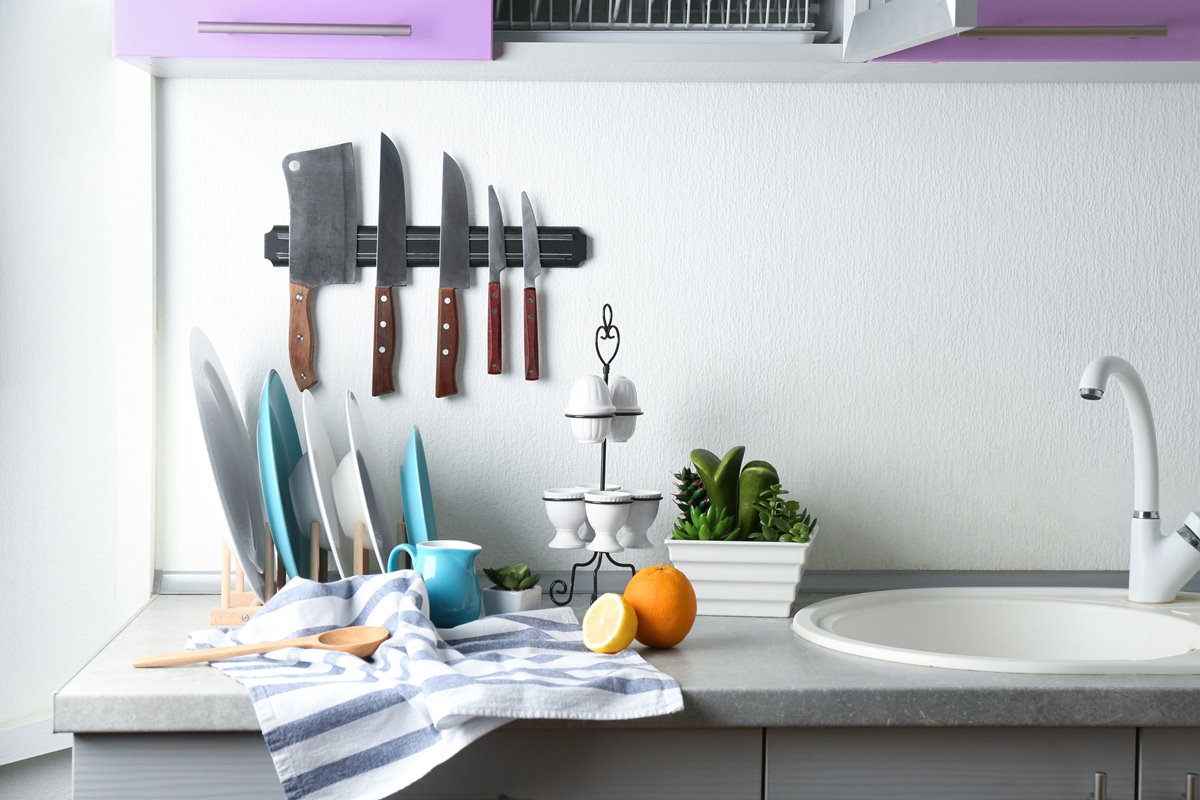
(657, 15)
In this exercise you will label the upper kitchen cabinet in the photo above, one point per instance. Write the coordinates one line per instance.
(197, 36)
(527, 39)
(1071, 31)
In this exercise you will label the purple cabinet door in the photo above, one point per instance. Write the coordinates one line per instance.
(439, 30)
(1182, 42)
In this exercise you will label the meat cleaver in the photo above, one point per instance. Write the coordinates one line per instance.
(322, 246)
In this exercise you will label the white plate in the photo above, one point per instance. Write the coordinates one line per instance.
(321, 464)
(359, 493)
(231, 455)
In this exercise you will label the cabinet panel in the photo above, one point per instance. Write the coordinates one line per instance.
(443, 30)
(1166, 756)
(541, 764)
(948, 763)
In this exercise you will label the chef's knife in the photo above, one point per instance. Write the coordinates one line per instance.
(497, 261)
(454, 265)
(532, 256)
(392, 258)
(322, 231)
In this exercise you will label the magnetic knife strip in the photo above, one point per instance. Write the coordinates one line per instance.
(561, 247)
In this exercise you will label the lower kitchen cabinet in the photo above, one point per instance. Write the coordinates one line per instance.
(1166, 757)
(519, 764)
(949, 763)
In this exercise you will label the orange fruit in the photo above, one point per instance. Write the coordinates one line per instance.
(665, 603)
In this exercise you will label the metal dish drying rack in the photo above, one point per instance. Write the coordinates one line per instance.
(796, 16)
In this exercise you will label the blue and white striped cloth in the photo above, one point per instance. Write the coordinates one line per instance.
(338, 726)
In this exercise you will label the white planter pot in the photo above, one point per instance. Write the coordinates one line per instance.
(741, 579)
(503, 601)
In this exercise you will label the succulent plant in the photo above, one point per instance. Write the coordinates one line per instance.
(782, 520)
(513, 578)
(689, 492)
(756, 477)
(720, 477)
(715, 524)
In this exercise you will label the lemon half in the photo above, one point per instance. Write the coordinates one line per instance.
(609, 625)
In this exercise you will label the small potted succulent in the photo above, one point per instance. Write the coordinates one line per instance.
(738, 538)
(514, 589)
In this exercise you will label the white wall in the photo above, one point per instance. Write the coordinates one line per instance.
(75, 567)
(889, 291)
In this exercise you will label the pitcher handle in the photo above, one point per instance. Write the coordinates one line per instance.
(394, 558)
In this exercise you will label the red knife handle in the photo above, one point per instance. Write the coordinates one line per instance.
(302, 341)
(384, 359)
(531, 335)
(494, 328)
(447, 339)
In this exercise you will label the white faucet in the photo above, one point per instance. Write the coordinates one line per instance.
(1159, 565)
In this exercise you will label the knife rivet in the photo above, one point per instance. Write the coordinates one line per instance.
(245, 617)
(383, 349)
(446, 300)
(445, 326)
(304, 376)
(294, 165)
(445, 352)
(383, 323)
(300, 337)
(383, 298)
(299, 297)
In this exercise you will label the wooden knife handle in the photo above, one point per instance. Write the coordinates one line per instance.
(384, 359)
(447, 339)
(531, 335)
(494, 328)
(302, 341)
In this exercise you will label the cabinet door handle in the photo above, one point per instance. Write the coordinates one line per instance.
(1193, 787)
(1100, 786)
(305, 28)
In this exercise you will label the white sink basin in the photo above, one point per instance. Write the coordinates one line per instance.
(1073, 631)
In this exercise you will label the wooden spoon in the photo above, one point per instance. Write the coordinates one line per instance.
(361, 641)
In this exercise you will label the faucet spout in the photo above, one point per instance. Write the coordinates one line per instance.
(1145, 445)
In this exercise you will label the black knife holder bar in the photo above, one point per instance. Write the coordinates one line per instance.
(560, 247)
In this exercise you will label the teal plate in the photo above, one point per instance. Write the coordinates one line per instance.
(415, 492)
(278, 453)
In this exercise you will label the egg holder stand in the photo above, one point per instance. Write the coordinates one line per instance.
(238, 605)
(560, 592)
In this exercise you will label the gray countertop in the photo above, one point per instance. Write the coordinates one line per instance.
(735, 672)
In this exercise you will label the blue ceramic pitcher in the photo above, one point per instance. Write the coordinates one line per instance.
(449, 571)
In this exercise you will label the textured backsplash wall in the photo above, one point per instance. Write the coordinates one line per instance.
(889, 291)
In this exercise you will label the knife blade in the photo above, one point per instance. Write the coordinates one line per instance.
(532, 256)
(497, 261)
(454, 268)
(392, 260)
(322, 227)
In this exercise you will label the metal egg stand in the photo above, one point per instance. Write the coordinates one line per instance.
(561, 593)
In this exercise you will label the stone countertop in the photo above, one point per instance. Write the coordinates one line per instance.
(735, 672)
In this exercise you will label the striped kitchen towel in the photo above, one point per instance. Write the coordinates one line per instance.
(338, 726)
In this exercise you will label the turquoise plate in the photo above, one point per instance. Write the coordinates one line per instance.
(414, 490)
(278, 453)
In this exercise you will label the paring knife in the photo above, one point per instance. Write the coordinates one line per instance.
(393, 264)
(532, 256)
(323, 227)
(497, 261)
(454, 266)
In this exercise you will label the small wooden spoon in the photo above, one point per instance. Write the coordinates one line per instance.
(361, 641)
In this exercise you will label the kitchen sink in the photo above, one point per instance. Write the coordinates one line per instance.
(1035, 630)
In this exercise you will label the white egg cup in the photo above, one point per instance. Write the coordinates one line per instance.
(607, 512)
(625, 401)
(590, 409)
(586, 532)
(566, 511)
(641, 516)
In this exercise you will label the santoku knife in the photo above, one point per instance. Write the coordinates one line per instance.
(392, 259)
(532, 256)
(323, 228)
(454, 266)
(497, 261)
